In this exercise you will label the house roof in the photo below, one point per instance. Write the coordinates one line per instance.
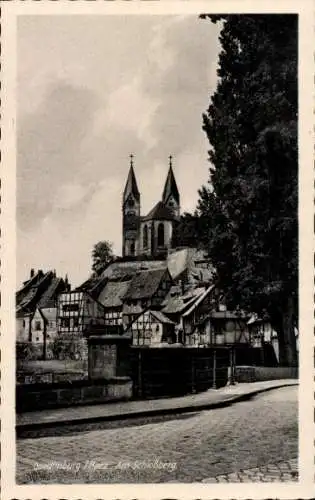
(159, 212)
(178, 303)
(191, 261)
(199, 300)
(144, 284)
(48, 299)
(22, 314)
(93, 285)
(113, 292)
(161, 317)
(127, 269)
(226, 315)
(32, 291)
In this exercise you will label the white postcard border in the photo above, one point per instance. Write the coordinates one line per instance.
(305, 487)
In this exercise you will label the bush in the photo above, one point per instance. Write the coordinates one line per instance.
(67, 349)
(27, 351)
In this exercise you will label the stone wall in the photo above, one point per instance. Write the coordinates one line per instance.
(42, 396)
(261, 373)
(48, 377)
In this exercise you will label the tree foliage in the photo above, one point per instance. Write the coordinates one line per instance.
(186, 231)
(102, 255)
(249, 207)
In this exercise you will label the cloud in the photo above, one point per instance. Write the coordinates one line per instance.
(91, 90)
(130, 108)
(50, 147)
(70, 195)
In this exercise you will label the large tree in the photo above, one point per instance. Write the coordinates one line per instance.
(186, 231)
(249, 207)
(102, 255)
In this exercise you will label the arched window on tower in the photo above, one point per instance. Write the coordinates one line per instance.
(145, 236)
(132, 248)
(161, 235)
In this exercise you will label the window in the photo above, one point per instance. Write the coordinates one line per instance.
(75, 322)
(38, 325)
(23, 323)
(70, 307)
(65, 322)
(161, 235)
(132, 248)
(145, 236)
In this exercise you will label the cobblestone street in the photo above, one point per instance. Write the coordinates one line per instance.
(280, 472)
(256, 440)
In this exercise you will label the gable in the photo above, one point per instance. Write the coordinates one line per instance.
(38, 316)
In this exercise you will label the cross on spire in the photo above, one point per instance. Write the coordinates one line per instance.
(170, 160)
(131, 184)
(131, 159)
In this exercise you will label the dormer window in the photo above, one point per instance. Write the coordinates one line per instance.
(131, 202)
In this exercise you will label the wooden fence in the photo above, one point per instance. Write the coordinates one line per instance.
(161, 372)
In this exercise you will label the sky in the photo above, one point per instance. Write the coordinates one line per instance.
(91, 90)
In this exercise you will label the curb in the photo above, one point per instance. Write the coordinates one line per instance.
(20, 428)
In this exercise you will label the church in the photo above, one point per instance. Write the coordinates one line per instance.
(149, 235)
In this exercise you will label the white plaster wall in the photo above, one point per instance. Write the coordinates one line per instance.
(22, 329)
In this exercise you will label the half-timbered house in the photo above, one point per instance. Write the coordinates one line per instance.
(40, 291)
(147, 290)
(227, 328)
(77, 311)
(152, 328)
(111, 298)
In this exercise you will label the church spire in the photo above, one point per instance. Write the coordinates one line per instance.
(170, 187)
(131, 184)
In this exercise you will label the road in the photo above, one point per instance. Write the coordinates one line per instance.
(192, 447)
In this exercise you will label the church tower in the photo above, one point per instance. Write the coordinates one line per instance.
(170, 197)
(131, 214)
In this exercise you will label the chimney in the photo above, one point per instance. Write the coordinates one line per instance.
(32, 273)
(67, 284)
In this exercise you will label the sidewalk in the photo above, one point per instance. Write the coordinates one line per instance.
(132, 409)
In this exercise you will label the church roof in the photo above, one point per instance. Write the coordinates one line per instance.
(170, 187)
(160, 212)
(131, 186)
